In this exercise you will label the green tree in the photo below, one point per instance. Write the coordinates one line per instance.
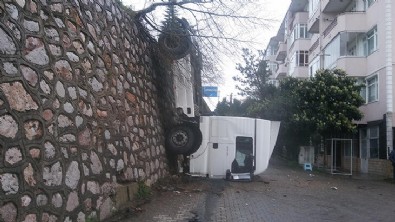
(254, 76)
(227, 108)
(329, 102)
(322, 106)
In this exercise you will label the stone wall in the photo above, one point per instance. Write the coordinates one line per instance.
(79, 109)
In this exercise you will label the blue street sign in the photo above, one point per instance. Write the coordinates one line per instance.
(210, 91)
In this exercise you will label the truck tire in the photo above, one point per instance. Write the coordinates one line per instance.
(183, 139)
(175, 43)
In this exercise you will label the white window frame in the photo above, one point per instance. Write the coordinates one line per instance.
(369, 85)
(371, 41)
(367, 138)
(302, 54)
(313, 7)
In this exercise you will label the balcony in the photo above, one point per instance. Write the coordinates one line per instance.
(300, 72)
(298, 5)
(314, 48)
(335, 6)
(300, 18)
(300, 44)
(355, 21)
(281, 71)
(354, 66)
(313, 24)
(281, 52)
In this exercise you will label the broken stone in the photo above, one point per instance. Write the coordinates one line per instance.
(10, 68)
(72, 201)
(32, 26)
(21, 3)
(9, 183)
(68, 107)
(33, 129)
(8, 126)
(13, 155)
(30, 218)
(63, 69)
(73, 57)
(49, 75)
(35, 51)
(52, 34)
(41, 200)
(46, 217)
(73, 175)
(60, 89)
(50, 151)
(30, 75)
(57, 8)
(96, 165)
(47, 114)
(45, 87)
(55, 50)
(93, 187)
(28, 174)
(17, 97)
(92, 31)
(52, 176)
(105, 208)
(8, 212)
(7, 45)
(35, 153)
(64, 121)
(84, 137)
(57, 200)
(72, 92)
(67, 138)
(96, 85)
(112, 149)
(78, 121)
(25, 200)
(60, 23)
(79, 47)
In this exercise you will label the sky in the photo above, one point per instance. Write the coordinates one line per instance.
(276, 9)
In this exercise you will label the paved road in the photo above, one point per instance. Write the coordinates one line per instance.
(281, 193)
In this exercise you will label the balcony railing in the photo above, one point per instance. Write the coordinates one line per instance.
(330, 27)
(314, 46)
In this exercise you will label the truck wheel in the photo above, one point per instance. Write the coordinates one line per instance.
(183, 139)
(175, 43)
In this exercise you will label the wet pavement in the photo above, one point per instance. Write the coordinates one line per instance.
(282, 193)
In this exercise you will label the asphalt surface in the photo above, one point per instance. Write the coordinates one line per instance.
(282, 193)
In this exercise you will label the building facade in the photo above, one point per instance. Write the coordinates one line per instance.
(353, 35)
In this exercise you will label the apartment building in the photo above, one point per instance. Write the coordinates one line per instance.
(358, 37)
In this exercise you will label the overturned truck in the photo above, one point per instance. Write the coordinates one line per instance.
(213, 146)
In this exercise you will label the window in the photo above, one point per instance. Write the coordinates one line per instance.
(372, 89)
(272, 66)
(371, 41)
(302, 58)
(362, 81)
(299, 32)
(313, 6)
(314, 66)
(370, 142)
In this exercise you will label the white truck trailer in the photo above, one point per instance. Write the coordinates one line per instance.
(233, 147)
